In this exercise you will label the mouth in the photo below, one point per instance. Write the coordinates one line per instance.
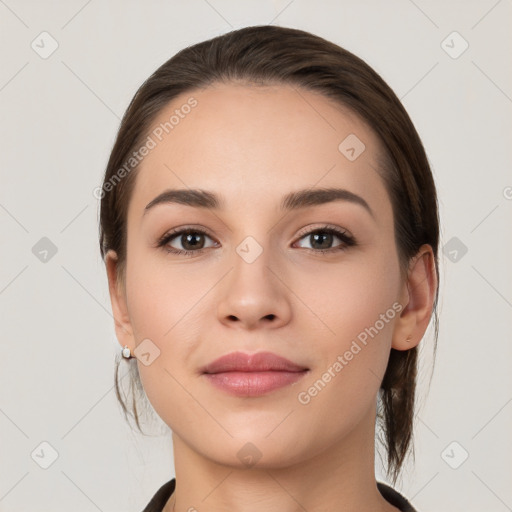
(253, 375)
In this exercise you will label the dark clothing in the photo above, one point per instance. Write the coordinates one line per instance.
(159, 500)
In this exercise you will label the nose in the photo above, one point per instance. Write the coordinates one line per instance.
(254, 295)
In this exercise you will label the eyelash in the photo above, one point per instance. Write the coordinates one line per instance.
(348, 241)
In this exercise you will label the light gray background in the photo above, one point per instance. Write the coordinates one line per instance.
(59, 116)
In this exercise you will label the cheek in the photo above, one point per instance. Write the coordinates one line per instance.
(164, 305)
(160, 296)
(345, 298)
(355, 309)
(352, 358)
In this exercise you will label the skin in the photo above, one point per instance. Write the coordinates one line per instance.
(253, 145)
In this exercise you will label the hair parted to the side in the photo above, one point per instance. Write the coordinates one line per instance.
(273, 55)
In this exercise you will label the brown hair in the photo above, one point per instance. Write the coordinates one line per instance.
(271, 55)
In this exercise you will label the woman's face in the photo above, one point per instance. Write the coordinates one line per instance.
(258, 281)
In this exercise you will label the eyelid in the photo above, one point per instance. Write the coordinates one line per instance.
(180, 229)
(308, 230)
(304, 231)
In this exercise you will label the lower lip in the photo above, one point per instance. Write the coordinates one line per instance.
(249, 384)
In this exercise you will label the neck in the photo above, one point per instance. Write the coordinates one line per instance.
(340, 478)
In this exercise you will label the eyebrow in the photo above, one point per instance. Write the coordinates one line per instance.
(293, 201)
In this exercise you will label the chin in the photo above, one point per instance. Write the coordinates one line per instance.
(253, 451)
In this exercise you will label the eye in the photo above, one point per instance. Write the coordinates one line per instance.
(191, 239)
(322, 238)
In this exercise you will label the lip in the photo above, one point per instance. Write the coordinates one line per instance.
(258, 362)
(249, 375)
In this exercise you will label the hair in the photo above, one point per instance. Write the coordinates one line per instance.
(273, 55)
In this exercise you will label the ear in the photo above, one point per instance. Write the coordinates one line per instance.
(117, 291)
(417, 300)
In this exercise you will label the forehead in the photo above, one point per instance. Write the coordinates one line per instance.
(253, 145)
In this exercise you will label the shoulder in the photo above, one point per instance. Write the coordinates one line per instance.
(161, 497)
(395, 498)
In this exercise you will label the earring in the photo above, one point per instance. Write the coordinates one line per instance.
(126, 352)
(408, 338)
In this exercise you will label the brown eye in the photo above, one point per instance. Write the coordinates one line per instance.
(191, 240)
(321, 239)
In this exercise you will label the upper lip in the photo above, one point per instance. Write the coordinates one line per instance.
(258, 362)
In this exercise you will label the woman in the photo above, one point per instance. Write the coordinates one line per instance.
(269, 225)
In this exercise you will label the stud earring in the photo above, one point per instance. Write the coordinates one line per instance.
(126, 352)
(408, 338)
